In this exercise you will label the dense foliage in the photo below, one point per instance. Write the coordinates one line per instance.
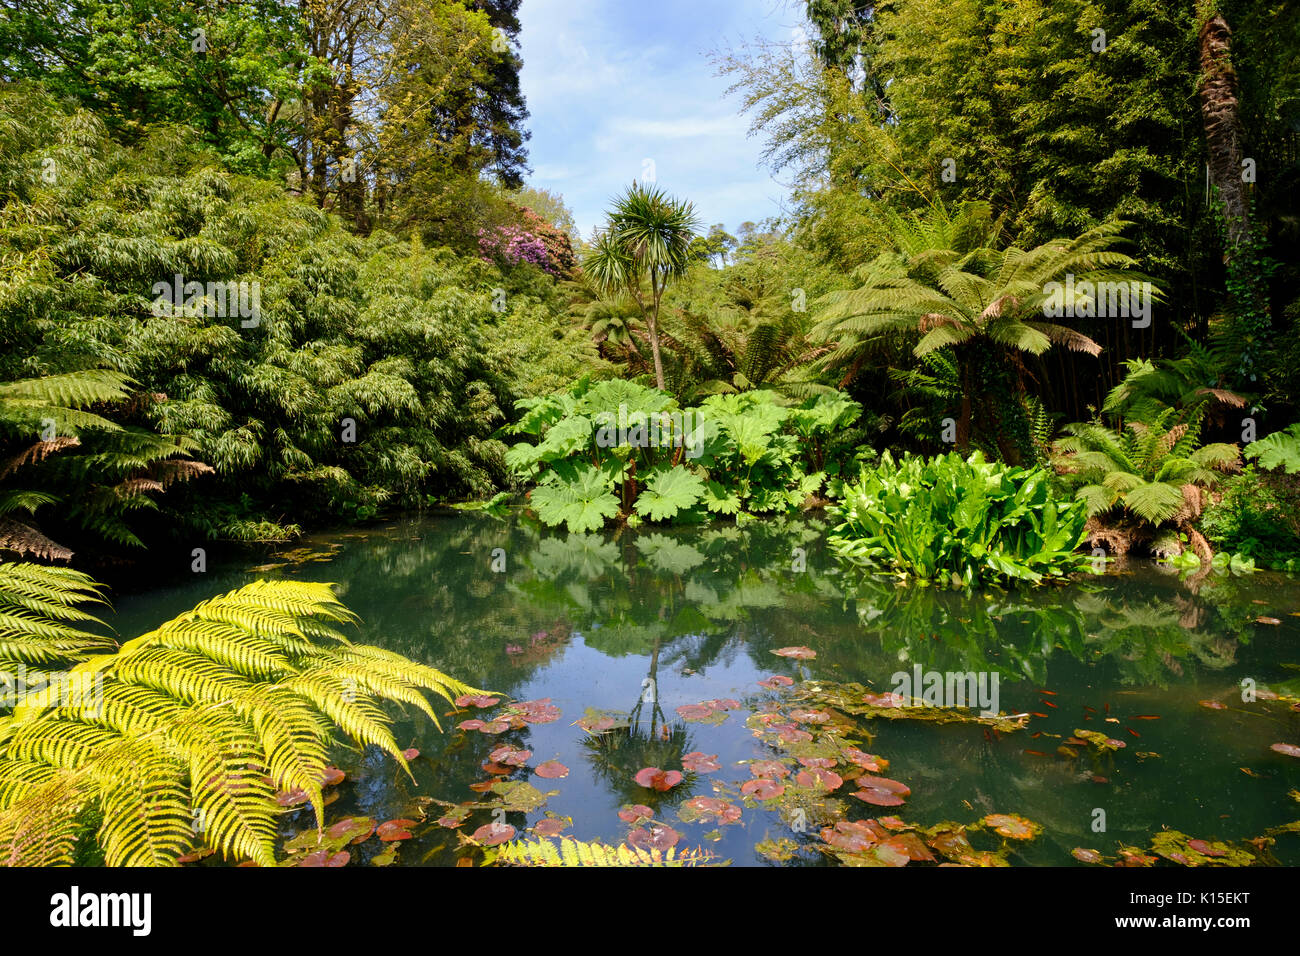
(616, 449)
(958, 521)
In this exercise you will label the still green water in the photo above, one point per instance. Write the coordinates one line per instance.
(589, 621)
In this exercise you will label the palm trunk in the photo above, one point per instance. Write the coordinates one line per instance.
(652, 323)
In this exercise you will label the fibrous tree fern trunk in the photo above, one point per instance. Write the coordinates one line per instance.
(1220, 116)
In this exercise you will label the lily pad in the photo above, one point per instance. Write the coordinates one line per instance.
(510, 756)
(1013, 827)
(761, 788)
(656, 836)
(477, 700)
(798, 653)
(1291, 750)
(699, 762)
(880, 791)
(492, 834)
(656, 779)
(769, 768)
(552, 826)
(819, 778)
(775, 681)
(635, 813)
(551, 770)
(865, 760)
(709, 808)
(395, 830)
(1086, 856)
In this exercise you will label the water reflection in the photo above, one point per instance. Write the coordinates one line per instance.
(630, 626)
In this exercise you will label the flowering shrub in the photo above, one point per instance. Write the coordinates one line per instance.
(535, 241)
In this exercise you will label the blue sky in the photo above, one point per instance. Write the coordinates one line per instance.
(613, 83)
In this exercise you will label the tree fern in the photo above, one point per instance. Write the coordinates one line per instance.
(192, 727)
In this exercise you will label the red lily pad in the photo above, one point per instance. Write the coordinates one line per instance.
(762, 788)
(510, 756)
(769, 768)
(1291, 750)
(775, 681)
(551, 826)
(326, 858)
(332, 776)
(551, 770)
(792, 735)
(477, 700)
(291, 798)
(881, 791)
(694, 712)
(889, 699)
(798, 653)
(865, 760)
(852, 836)
(353, 827)
(722, 704)
(410, 753)
(824, 762)
(540, 711)
(491, 834)
(810, 716)
(1205, 849)
(699, 762)
(698, 808)
(395, 830)
(635, 813)
(1212, 705)
(1084, 855)
(656, 779)
(1012, 827)
(819, 778)
(657, 836)
(498, 769)
(454, 818)
(484, 727)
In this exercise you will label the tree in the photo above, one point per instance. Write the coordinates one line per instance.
(946, 281)
(647, 239)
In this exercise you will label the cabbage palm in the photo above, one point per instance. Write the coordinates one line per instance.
(946, 282)
(647, 238)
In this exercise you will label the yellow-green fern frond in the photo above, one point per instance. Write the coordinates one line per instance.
(569, 852)
(185, 734)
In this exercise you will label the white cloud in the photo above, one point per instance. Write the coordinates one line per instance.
(610, 84)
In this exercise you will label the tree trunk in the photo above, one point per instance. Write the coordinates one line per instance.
(1219, 114)
(652, 323)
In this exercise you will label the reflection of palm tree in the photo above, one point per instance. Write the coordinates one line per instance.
(617, 756)
(649, 695)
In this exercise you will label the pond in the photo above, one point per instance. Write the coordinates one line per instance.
(642, 648)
